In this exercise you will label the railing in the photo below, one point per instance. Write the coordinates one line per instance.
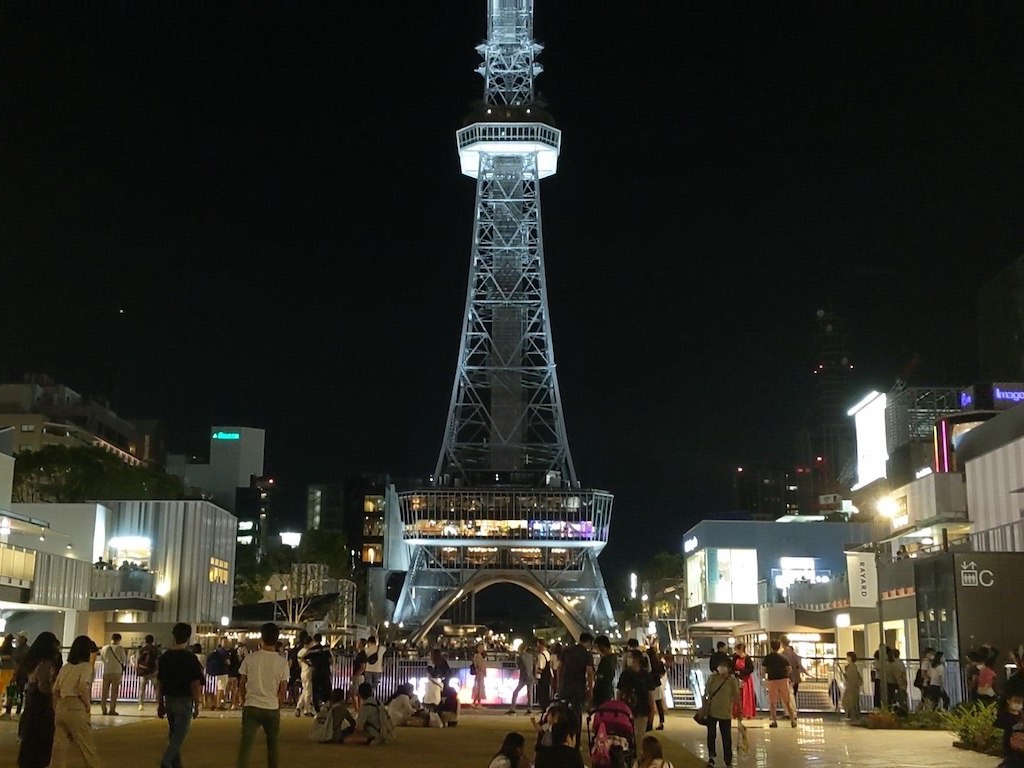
(126, 583)
(821, 688)
(529, 132)
(896, 579)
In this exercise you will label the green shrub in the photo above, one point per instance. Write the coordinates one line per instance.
(974, 725)
(927, 720)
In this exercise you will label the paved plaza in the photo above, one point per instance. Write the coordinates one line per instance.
(135, 739)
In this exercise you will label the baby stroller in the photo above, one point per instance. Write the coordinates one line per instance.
(610, 735)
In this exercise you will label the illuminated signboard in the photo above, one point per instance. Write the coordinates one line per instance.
(872, 454)
(1007, 395)
(226, 436)
(966, 398)
(690, 544)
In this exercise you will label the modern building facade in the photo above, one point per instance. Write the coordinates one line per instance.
(169, 561)
(42, 412)
(740, 574)
(355, 507)
(233, 479)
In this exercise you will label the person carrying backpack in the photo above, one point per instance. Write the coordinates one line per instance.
(145, 666)
(374, 724)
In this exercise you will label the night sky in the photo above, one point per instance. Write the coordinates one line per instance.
(271, 193)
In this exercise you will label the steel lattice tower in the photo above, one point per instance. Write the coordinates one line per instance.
(506, 505)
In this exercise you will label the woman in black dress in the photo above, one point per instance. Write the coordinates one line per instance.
(35, 728)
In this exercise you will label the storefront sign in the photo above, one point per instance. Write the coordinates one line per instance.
(863, 579)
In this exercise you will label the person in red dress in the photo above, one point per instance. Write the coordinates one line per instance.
(745, 708)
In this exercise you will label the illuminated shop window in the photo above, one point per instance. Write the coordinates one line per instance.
(732, 576)
(695, 579)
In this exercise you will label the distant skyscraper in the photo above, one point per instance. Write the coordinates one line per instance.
(766, 494)
(827, 442)
(354, 507)
(1001, 325)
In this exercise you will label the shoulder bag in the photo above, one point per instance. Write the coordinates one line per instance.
(701, 715)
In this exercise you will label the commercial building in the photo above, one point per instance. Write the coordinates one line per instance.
(739, 575)
(163, 562)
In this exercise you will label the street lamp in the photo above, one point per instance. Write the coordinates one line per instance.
(274, 589)
(883, 659)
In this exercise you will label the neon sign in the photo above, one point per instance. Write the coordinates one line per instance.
(1007, 395)
(226, 436)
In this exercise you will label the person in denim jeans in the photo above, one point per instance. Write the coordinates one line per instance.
(263, 685)
(179, 691)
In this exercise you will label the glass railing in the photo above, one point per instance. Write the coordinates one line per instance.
(126, 583)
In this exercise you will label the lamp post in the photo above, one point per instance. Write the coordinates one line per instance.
(276, 591)
(883, 659)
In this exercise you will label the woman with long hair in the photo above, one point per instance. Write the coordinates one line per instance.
(72, 692)
(438, 673)
(511, 753)
(35, 728)
(743, 668)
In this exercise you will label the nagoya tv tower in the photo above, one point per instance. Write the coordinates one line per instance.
(505, 505)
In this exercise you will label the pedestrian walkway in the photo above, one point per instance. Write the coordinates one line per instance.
(817, 742)
(826, 741)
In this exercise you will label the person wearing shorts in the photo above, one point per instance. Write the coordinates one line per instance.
(776, 669)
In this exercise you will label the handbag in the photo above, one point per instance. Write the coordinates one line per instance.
(702, 713)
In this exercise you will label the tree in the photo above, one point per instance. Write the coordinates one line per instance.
(63, 474)
(664, 567)
(297, 576)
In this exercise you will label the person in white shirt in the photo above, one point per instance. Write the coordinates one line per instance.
(404, 705)
(263, 685)
(114, 658)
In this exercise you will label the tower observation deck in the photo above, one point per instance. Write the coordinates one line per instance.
(505, 505)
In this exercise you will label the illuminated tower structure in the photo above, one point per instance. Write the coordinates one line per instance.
(504, 504)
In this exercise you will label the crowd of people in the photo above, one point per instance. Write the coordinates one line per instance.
(53, 697)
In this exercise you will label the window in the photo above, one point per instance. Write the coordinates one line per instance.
(28, 427)
(218, 571)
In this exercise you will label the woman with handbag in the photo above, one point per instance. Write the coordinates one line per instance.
(722, 692)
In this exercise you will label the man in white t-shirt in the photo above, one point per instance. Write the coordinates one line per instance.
(262, 685)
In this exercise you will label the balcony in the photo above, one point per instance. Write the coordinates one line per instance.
(553, 518)
(895, 577)
(122, 590)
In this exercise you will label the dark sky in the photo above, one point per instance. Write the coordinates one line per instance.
(271, 192)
